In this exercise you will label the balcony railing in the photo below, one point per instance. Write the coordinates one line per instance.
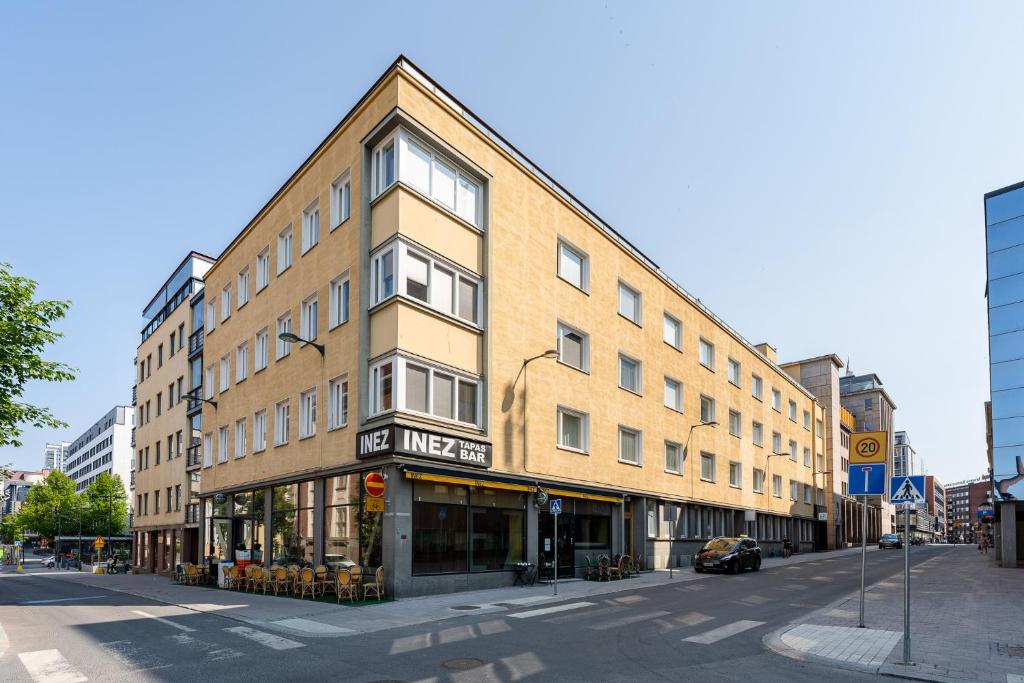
(195, 341)
(135, 394)
(133, 437)
(194, 456)
(132, 484)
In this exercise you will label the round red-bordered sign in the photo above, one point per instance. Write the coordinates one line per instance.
(374, 484)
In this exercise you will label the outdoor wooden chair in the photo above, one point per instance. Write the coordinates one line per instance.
(237, 577)
(307, 582)
(343, 585)
(357, 579)
(278, 579)
(589, 569)
(619, 570)
(249, 577)
(376, 586)
(293, 579)
(320, 579)
(191, 574)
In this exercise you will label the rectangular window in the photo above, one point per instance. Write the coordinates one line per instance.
(282, 415)
(309, 324)
(339, 301)
(630, 304)
(261, 348)
(284, 250)
(225, 373)
(177, 497)
(757, 433)
(672, 334)
(263, 269)
(225, 303)
(673, 394)
(337, 402)
(735, 475)
(383, 275)
(758, 481)
(159, 403)
(222, 445)
(156, 502)
(807, 493)
(211, 316)
(307, 413)
(707, 466)
(573, 266)
(776, 443)
(776, 400)
(734, 372)
(207, 449)
(284, 324)
(820, 428)
(382, 388)
(160, 356)
(793, 490)
(707, 354)
(311, 226)
(735, 423)
(807, 420)
(243, 287)
(573, 430)
(792, 411)
(240, 438)
(630, 446)
(630, 374)
(673, 458)
(792, 450)
(707, 409)
(259, 431)
(777, 485)
(573, 347)
(427, 279)
(241, 362)
(341, 199)
(210, 381)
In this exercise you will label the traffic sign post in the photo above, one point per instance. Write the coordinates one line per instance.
(910, 492)
(866, 479)
(555, 507)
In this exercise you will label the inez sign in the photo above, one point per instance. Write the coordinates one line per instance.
(395, 439)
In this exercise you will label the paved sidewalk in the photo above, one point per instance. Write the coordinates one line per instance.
(965, 617)
(310, 618)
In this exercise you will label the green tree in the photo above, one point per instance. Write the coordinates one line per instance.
(106, 506)
(24, 332)
(10, 528)
(51, 501)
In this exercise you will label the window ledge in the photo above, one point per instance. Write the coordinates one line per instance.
(672, 346)
(332, 328)
(630, 462)
(259, 370)
(242, 305)
(569, 449)
(675, 410)
(307, 436)
(259, 450)
(710, 481)
(640, 325)
(673, 472)
(707, 367)
(738, 386)
(635, 393)
(573, 367)
(342, 222)
(284, 270)
(260, 289)
(734, 486)
(337, 427)
(572, 284)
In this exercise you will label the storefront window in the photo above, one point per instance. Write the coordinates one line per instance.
(497, 538)
(218, 538)
(341, 520)
(292, 526)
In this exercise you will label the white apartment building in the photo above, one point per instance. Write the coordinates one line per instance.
(56, 455)
(104, 447)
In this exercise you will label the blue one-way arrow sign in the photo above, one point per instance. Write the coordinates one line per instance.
(906, 489)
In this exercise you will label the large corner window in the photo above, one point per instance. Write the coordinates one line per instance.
(403, 157)
(400, 269)
(413, 386)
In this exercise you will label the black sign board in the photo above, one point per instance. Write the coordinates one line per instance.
(397, 439)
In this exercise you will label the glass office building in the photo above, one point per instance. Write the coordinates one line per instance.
(1004, 242)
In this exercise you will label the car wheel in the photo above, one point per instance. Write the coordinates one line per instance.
(699, 570)
(757, 565)
(734, 567)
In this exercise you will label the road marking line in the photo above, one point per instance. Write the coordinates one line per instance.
(168, 622)
(264, 638)
(211, 650)
(551, 610)
(567, 618)
(133, 658)
(46, 602)
(717, 634)
(4, 642)
(312, 626)
(693, 619)
(626, 621)
(49, 666)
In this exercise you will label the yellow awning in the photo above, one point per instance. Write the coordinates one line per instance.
(486, 483)
(585, 496)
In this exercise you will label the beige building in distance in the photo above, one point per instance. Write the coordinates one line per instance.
(160, 484)
(468, 328)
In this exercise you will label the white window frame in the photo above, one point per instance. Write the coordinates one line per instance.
(560, 330)
(807, 420)
(209, 388)
(706, 353)
(584, 430)
(284, 324)
(807, 456)
(282, 427)
(735, 372)
(703, 456)
(677, 331)
(679, 401)
(225, 302)
(243, 287)
(311, 225)
(792, 410)
(777, 485)
(794, 490)
(757, 433)
(807, 494)
(261, 350)
(222, 445)
(307, 413)
(758, 481)
(338, 396)
(242, 362)
(736, 468)
(737, 417)
(777, 443)
(776, 400)
(263, 269)
(210, 320)
(639, 390)
(679, 456)
(309, 317)
(711, 402)
(341, 198)
(757, 387)
(285, 248)
(208, 449)
(565, 245)
(639, 445)
(624, 286)
(338, 301)
(225, 373)
(792, 450)
(398, 364)
(401, 253)
(240, 438)
(259, 431)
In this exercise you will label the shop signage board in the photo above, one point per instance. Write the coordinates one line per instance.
(868, 447)
(402, 440)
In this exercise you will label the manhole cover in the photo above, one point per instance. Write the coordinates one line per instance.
(464, 608)
(1009, 650)
(462, 663)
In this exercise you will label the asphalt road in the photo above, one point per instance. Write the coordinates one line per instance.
(708, 629)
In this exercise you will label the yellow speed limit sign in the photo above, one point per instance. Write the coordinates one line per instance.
(868, 447)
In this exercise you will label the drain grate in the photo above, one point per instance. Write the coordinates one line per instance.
(465, 608)
(1008, 650)
(463, 663)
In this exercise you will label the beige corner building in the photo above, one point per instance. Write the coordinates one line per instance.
(165, 519)
(479, 336)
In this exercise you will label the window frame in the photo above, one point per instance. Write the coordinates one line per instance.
(242, 362)
(309, 318)
(339, 290)
(703, 343)
(737, 381)
(259, 440)
(310, 226)
(757, 387)
(739, 423)
(307, 413)
(282, 349)
(639, 445)
(776, 400)
(240, 438)
(623, 285)
(679, 454)
(341, 199)
(758, 488)
(243, 287)
(562, 327)
(680, 400)
(703, 456)
(282, 435)
(263, 269)
(263, 334)
(677, 324)
(711, 402)
(337, 415)
(225, 303)
(735, 466)
(584, 284)
(757, 433)
(285, 256)
(560, 410)
(639, 391)
(399, 362)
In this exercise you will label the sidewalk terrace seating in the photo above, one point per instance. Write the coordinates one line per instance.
(345, 582)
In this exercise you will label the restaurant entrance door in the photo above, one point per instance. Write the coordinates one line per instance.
(563, 538)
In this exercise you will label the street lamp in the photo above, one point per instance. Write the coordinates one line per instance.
(296, 339)
(550, 354)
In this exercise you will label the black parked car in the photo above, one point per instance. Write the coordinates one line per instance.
(889, 541)
(726, 553)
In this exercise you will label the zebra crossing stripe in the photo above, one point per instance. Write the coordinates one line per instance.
(722, 632)
(49, 666)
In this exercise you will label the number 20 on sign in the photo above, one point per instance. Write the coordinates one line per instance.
(868, 447)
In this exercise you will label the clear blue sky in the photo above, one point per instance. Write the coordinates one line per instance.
(829, 159)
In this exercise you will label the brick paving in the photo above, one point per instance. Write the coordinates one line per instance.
(967, 624)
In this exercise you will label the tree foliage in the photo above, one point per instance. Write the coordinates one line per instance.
(106, 506)
(24, 332)
(51, 502)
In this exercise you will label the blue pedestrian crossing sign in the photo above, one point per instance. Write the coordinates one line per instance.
(555, 506)
(867, 480)
(907, 489)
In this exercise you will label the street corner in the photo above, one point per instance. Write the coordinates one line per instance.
(844, 647)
